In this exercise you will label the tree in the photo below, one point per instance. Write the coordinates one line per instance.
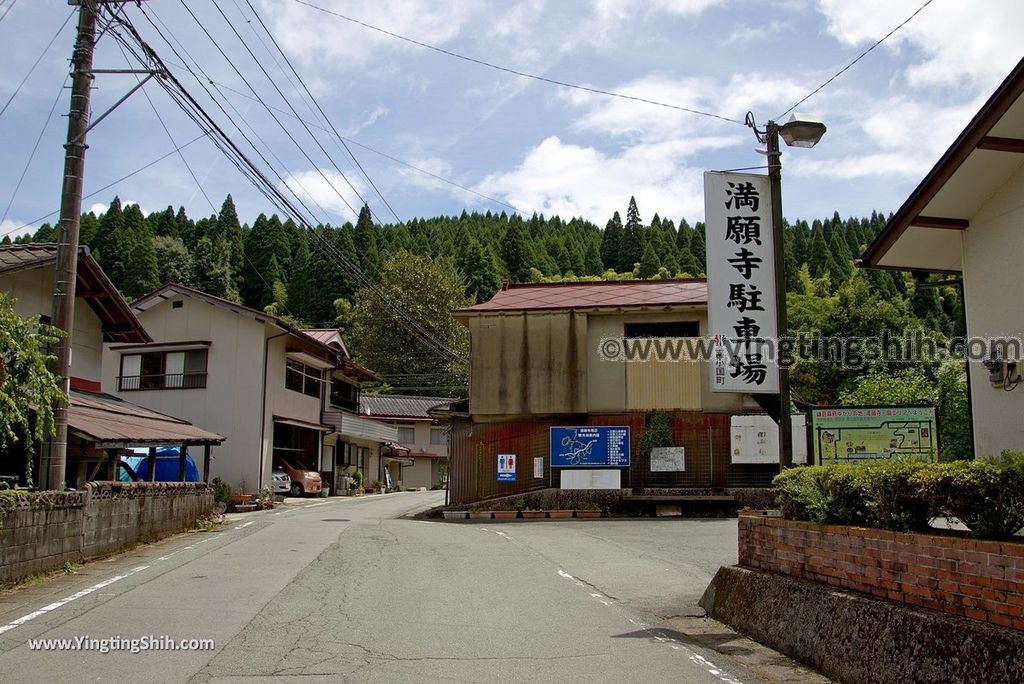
(517, 253)
(592, 263)
(649, 263)
(132, 260)
(611, 241)
(818, 254)
(211, 268)
(267, 258)
(480, 272)
(173, 260)
(425, 290)
(631, 247)
(366, 243)
(28, 390)
(698, 249)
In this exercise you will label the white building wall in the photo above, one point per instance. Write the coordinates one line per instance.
(33, 290)
(993, 247)
(231, 403)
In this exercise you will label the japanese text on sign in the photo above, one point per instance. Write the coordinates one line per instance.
(741, 282)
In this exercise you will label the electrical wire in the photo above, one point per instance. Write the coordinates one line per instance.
(857, 59)
(38, 59)
(516, 72)
(35, 148)
(250, 171)
(106, 187)
(6, 11)
(322, 113)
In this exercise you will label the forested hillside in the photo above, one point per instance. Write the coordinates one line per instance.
(275, 265)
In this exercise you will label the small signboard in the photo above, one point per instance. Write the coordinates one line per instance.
(586, 446)
(506, 467)
(668, 460)
(848, 434)
(754, 439)
(538, 468)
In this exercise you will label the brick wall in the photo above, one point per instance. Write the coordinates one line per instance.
(983, 580)
(43, 531)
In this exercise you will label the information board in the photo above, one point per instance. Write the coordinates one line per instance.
(590, 445)
(506, 467)
(847, 434)
(668, 460)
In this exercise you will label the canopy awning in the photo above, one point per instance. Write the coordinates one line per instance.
(295, 422)
(110, 422)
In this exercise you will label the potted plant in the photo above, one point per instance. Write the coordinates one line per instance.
(506, 514)
(588, 509)
(454, 515)
(533, 514)
(560, 513)
(478, 513)
(377, 486)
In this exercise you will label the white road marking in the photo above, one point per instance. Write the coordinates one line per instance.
(64, 601)
(243, 525)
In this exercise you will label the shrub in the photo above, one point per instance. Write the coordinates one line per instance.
(221, 490)
(894, 502)
(829, 494)
(986, 495)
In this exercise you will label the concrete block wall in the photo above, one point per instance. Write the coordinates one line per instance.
(982, 580)
(45, 530)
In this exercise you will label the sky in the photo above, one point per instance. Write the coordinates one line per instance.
(433, 134)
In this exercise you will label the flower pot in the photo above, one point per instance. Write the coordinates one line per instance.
(455, 515)
(588, 514)
(480, 515)
(560, 514)
(534, 515)
(505, 515)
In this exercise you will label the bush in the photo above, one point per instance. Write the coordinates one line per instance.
(986, 495)
(221, 490)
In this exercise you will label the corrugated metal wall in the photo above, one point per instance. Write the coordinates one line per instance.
(475, 447)
(660, 385)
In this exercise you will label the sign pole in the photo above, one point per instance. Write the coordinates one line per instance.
(775, 178)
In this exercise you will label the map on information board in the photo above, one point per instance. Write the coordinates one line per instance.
(847, 434)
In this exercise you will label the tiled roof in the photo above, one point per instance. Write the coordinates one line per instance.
(399, 405)
(119, 322)
(323, 336)
(597, 294)
(108, 420)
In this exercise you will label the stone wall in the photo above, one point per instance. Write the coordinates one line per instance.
(982, 580)
(45, 530)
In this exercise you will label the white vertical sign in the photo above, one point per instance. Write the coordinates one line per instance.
(741, 282)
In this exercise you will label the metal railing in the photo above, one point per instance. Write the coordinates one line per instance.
(163, 381)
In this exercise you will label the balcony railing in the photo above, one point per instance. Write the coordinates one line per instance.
(342, 401)
(167, 381)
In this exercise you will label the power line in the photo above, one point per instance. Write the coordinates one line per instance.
(32, 155)
(33, 222)
(858, 58)
(38, 59)
(6, 11)
(516, 72)
(322, 113)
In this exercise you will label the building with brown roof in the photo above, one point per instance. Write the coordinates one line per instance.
(101, 426)
(965, 218)
(571, 354)
(281, 395)
(425, 440)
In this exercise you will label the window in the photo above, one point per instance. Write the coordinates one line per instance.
(344, 395)
(438, 435)
(163, 370)
(664, 329)
(298, 377)
(406, 434)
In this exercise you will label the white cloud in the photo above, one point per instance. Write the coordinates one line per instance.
(572, 180)
(316, 37)
(13, 229)
(748, 33)
(367, 121)
(976, 42)
(326, 190)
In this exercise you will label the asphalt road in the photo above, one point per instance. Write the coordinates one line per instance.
(343, 590)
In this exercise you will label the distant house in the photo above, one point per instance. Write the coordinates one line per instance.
(966, 218)
(553, 354)
(425, 438)
(101, 426)
(278, 393)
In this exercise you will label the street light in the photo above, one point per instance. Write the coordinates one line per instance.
(799, 131)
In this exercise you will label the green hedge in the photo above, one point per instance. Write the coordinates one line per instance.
(986, 495)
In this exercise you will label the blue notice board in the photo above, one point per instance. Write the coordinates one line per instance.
(589, 446)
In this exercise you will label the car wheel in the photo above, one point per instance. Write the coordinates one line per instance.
(296, 489)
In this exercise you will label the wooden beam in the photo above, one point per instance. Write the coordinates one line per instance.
(997, 144)
(941, 222)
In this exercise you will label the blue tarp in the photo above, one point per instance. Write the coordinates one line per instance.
(166, 466)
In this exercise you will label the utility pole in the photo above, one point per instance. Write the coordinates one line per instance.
(66, 267)
(775, 181)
